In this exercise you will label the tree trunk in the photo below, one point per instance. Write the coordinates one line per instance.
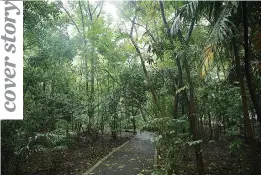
(133, 120)
(210, 126)
(175, 108)
(177, 60)
(143, 116)
(192, 121)
(91, 99)
(249, 131)
(202, 125)
(248, 70)
(153, 92)
(191, 106)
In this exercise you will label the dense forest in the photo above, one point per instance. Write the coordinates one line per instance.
(96, 73)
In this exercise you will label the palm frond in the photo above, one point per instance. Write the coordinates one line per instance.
(208, 57)
(176, 25)
(189, 9)
(222, 28)
(186, 11)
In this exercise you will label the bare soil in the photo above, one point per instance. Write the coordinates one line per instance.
(75, 160)
(217, 161)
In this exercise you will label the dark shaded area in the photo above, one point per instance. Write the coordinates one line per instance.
(79, 157)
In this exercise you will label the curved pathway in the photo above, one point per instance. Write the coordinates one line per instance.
(134, 158)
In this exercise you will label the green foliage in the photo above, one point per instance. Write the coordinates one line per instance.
(134, 88)
(84, 73)
(172, 140)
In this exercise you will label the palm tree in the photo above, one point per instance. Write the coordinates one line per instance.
(224, 18)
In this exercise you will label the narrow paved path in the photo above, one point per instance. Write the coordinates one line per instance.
(136, 157)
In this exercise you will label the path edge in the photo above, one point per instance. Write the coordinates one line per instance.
(106, 157)
(155, 162)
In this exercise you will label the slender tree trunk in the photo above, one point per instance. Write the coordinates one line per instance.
(248, 70)
(175, 108)
(176, 96)
(143, 116)
(202, 125)
(253, 120)
(67, 129)
(87, 94)
(177, 60)
(134, 124)
(153, 92)
(44, 86)
(249, 131)
(98, 95)
(132, 119)
(210, 126)
(91, 99)
(191, 108)
(192, 119)
(224, 124)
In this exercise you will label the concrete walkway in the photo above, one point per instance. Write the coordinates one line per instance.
(134, 158)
